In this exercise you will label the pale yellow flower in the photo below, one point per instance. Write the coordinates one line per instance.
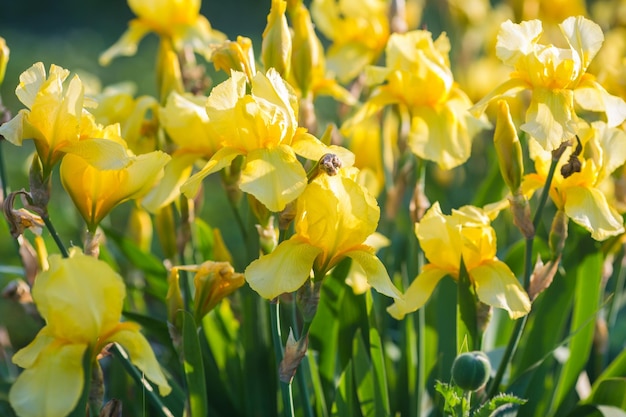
(334, 217)
(464, 236)
(578, 193)
(178, 22)
(81, 300)
(358, 29)
(556, 76)
(418, 78)
(263, 127)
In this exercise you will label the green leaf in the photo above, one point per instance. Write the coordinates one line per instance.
(146, 262)
(500, 405)
(467, 337)
(367, 391)
(610, 391)
(194, 367)
(616, 369)
(596, 411)
(202, 239)
(586, 301)
(345, 404)
(377, 357)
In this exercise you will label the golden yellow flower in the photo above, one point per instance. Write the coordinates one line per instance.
(465, 235)
(263, 126)
(95, 192)
(418, 78)
(334, 217)
(358, 29)
(57, 122)
(175, 21)
(81, 300)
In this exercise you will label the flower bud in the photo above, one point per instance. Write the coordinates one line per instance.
(508, 148)
(306, 54)
(214, 281)
(4, 58)
(174, 299)
(235, 56)
(169, 75)
(470, 370)
(276, 46)
(140, 228)
(40, 188)
(558, 233)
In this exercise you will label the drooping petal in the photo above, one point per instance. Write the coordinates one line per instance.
(590, 95)
(53, 385)
(375, 271)
(176, 172)
(274, 176)
(141, 354)
(497, 286)
(221, 159)
(589, 208)
(418, 292)
(127, 43)
(27, 356)
(308, 146)
(506, 89)
(284, 270)
(13, 130)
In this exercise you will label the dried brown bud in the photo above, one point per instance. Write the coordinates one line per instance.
(295, 350)
(542, 276)
(21, 219)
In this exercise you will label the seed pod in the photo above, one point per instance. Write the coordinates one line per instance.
(470, 370)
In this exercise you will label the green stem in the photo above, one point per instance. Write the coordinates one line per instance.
(55, 236)
(285, 387)
(141, 381)
(520, 324)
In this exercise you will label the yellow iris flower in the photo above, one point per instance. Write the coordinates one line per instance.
(177, 22)
(465, 234)
(95, 192)
(419, 79)
(358, 29)
(579, 194)
(556, 76)
(263, 126)
(185, 120)
(81, 300)
(57, 122)
(334, 217)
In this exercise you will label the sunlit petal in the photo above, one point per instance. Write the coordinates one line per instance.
(284, 270)
(497, 286)
(418, 292)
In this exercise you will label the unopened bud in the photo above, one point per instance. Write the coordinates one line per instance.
(542, 276)
(169, 75)
(268, 238)
(308, 298)
(558, 233)
(235, 56)
(4, 58)
(174, 300)
(521, 215)
(40, 188)
(213, 282)
(140, 228)
(276, 46)
(508, 148)
(307, 56)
